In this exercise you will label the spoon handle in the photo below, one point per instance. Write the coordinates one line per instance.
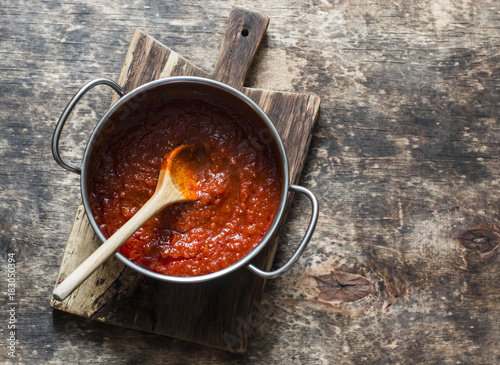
(109, 247)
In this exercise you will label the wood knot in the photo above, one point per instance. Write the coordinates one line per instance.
(479, 240)
(342, 287)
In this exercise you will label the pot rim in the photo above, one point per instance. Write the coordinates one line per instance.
(263, 117)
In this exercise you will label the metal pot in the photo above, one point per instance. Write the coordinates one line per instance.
(185, 87)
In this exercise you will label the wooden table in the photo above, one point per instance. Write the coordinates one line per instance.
(404, 264)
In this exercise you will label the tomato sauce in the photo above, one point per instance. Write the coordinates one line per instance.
(239, 190)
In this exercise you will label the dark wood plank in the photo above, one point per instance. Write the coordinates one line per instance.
(404, 159)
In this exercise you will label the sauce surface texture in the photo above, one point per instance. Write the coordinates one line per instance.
(239, 189)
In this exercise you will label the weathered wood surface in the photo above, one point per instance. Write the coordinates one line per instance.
(177, 310)
(404, 159)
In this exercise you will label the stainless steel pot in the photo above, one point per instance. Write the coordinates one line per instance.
(185, 87)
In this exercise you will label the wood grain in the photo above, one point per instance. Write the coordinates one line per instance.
(243, 35)
(404, 159)
(212, 313)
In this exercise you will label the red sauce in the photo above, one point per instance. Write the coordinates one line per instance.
(239, 190)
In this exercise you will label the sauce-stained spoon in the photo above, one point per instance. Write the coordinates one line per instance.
(177, 183)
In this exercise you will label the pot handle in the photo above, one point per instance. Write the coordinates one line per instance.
(67, 111)
(303, 243)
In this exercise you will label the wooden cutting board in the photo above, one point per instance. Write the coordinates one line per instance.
(219, 313)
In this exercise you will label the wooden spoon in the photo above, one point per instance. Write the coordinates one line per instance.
(177, 183)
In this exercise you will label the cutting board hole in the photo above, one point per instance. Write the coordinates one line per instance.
(244, 32)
